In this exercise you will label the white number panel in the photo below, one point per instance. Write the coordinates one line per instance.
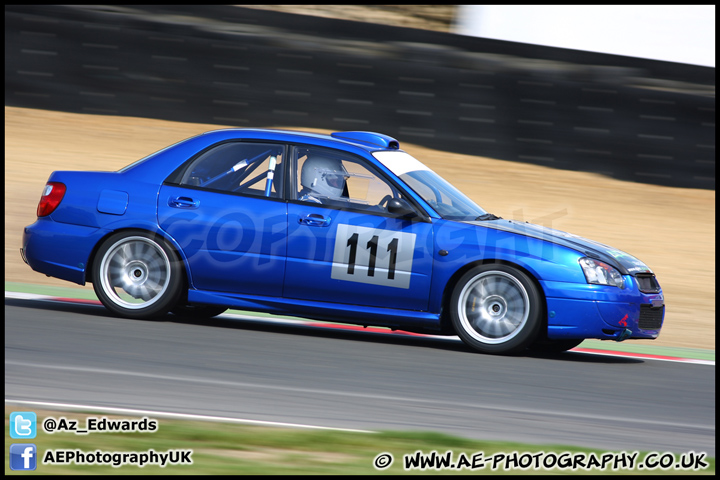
(374, 256)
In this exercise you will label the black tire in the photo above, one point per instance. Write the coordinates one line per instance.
(137, 275)
(545, 345)
(198, 311)
(496, 309)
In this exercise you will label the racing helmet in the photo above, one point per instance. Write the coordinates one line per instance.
(324, 176)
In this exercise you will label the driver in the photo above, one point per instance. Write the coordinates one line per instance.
(323, 178)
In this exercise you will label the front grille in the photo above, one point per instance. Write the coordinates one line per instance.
(647, 283)
(651, 318)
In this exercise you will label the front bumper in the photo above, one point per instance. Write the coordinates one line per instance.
(603, 312)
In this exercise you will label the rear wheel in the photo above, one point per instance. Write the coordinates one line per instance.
(496, 309)
(137, 275)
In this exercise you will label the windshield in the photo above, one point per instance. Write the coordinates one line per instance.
(449, 202)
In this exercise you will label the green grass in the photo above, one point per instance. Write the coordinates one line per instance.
(225, 449)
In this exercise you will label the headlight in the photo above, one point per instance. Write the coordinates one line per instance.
(600, 273)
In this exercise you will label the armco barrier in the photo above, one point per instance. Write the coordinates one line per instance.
(628, 118)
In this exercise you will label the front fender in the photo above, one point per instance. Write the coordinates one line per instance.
(464, 244)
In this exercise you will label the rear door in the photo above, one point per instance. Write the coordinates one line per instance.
(227, 213)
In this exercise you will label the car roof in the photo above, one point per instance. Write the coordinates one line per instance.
(161, 163)
(369, 141)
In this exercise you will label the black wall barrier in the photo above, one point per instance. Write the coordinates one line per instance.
(628, 118)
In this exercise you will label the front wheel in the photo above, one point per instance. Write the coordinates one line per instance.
(496, 309)
(137, 275)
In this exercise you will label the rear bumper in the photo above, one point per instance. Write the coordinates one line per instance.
(58, 249)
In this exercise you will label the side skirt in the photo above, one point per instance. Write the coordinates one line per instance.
(408, 320)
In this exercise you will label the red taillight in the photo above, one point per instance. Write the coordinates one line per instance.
(51, 198)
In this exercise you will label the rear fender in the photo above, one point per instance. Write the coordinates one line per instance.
(146, 227)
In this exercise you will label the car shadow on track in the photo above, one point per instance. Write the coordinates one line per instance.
(326, 330)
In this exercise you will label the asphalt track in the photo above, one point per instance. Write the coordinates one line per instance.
(251, 369)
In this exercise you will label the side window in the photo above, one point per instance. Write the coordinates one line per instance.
(335, 178)
(238, 167)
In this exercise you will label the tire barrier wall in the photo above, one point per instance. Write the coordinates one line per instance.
(631, 119)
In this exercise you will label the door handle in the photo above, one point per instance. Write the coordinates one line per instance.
(314, 220)
(183, 202)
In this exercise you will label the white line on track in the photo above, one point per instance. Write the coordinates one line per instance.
(180, 416)
(395, 399)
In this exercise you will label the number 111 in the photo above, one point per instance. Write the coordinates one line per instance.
(372, 245)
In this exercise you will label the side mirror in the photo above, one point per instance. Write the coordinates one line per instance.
(401, 208)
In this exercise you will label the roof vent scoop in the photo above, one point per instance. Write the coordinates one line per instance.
(368, 138)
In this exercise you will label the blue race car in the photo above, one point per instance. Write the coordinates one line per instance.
(344, 227)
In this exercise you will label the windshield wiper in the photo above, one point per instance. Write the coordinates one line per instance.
(487, 216)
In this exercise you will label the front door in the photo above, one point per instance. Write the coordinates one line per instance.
(344, 246)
